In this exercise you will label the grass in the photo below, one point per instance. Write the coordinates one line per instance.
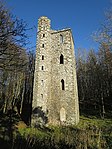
(92, 133)
(85, 123)
(41, 134)
(93, 121)
(87, 127)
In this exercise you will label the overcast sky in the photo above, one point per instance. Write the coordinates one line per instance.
(82, 16)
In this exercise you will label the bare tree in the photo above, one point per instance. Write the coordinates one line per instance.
(13, 57)
(95, 74)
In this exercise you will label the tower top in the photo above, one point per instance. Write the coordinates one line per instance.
(43, 17)
(44, 23)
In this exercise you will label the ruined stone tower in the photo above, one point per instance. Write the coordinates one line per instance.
(55, 96)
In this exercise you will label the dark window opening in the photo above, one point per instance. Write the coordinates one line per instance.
(42, 45)
(61, 59)
(62, 84)
(61, 38)
(41, 95)
(42, 67)
(42, 57)
(43, 35)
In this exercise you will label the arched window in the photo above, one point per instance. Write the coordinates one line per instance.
(61, 59)
(61, 38)
(62, 115)
(62, 84)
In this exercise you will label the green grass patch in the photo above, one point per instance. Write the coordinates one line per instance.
(91, 133)
(93, 121)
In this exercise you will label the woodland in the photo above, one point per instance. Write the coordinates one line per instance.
(94, 79)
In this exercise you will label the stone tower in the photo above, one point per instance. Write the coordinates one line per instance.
(55, 95)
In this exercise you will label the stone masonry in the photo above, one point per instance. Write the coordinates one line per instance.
(55, 95)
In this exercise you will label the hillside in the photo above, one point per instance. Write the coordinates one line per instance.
(90, 133)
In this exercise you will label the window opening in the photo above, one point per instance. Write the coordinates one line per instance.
(62, 84)
(61, 59)
(42, 57)
(43, 35)
(42, 45)
(61, 38)
(42, 67)
(42, 82)
(42, 96)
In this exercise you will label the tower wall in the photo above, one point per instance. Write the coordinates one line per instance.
(41, 90)
(66, 99)
(55, 87)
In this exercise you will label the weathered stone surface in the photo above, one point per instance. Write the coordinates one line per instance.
(55, 84)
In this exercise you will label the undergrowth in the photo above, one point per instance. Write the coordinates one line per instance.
(90, 133)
